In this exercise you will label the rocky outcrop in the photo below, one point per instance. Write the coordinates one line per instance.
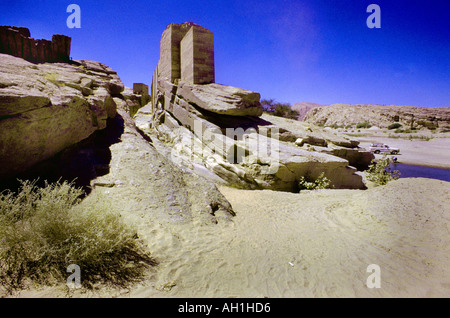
(303, 107)
(319, 139)
(141, 178)
(379, 115)
(48, 107)
(218, 131)
(221, 99)
(70, 122)
(17, 41)
(131, 100)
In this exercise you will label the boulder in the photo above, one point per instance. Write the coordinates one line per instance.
(48, 107)
(221, 99)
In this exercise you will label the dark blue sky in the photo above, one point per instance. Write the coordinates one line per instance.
(314, 50)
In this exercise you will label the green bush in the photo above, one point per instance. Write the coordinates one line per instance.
(321, 182)
(279, 109)
(394, 126)
(44, 230)
(365, 124)
(380, 172)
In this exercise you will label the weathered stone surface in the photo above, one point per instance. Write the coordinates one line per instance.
(309, 133)
(378, 115)
(217, 128)
(46, 108)
(221, 99)
(129, 101)
(141, 178)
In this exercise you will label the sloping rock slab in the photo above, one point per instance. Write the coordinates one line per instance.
(221, 99)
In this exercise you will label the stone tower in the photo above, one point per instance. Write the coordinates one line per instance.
(187, 53)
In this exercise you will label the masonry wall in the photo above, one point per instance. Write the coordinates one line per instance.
(169, 61)
(16, 41)
(197, 56)
(187, 59)
(187, 53)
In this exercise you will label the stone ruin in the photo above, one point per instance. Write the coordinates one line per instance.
(17, 41)
(218, 130)
(187, 54)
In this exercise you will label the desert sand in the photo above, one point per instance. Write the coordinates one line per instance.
(309, 244)
(312, 244)
(433, 153)
(315, 244)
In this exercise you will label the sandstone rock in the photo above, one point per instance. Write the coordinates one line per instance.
(187, 53)
(303, 108)
(218, 128)
(149, 182)
(221, 99)
(46, 108)
(311, 134)
(378, 115)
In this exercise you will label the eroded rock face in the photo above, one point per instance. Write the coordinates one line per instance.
(379, 115)
(45, 108)
(216, 130)
(71, 121)
(221, 99)
(142, 178)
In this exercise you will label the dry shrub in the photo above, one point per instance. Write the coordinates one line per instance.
(44, 230)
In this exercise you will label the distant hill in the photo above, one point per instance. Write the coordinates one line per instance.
(379, 115)
(303, 108)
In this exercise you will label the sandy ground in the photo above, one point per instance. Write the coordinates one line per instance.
(318, 244)
(309, 244)
(433, 153)
(312, 244)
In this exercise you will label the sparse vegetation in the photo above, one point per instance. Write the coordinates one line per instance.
(400, 131)
(380, 172)
(394, 126)
(357, 135)
(336, 126)
(364, 124)
(279, 109)
(44, 230)
(429, 125)
(419, 137)
(321, 182)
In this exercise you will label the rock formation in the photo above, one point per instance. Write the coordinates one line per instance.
(379, 115)
(303, 107)
(16, 41)
(45, 108)
(217, 130)
(71, 120)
